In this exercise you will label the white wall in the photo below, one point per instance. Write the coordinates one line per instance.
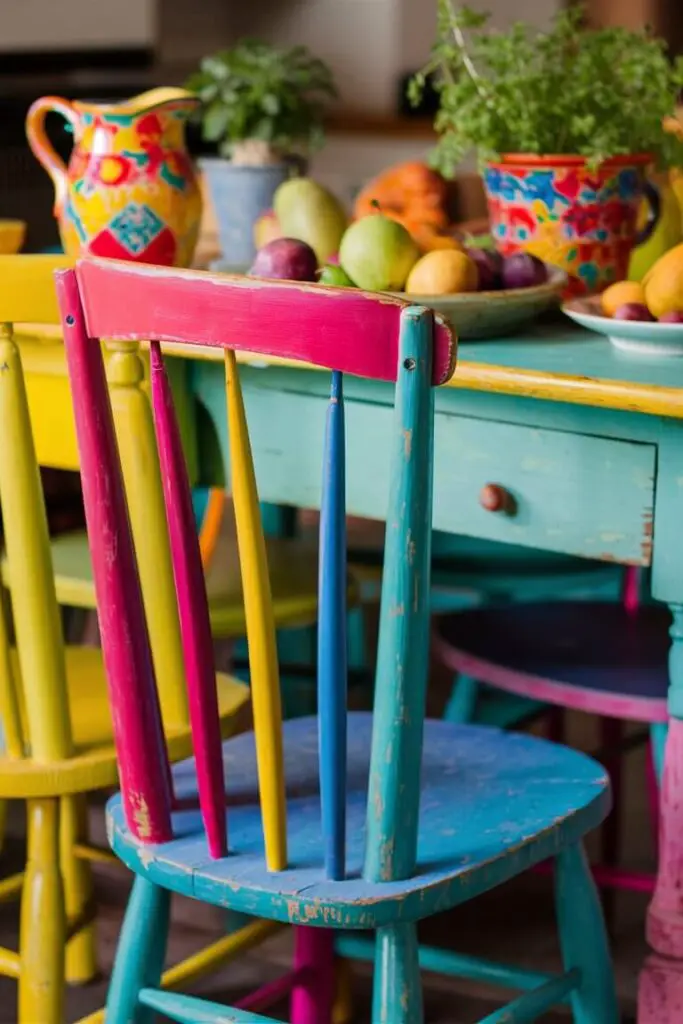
(76, 24)
(368, 43)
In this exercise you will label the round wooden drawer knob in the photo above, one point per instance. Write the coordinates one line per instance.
(495, 498)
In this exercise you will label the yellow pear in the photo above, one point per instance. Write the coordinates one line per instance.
(308, 211)
(664, 283)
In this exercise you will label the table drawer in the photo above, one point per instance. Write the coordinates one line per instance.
(571, 493)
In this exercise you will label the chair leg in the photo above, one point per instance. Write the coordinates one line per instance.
(356, 638)
(342, 1012)
(397, 986)
(583, 939)
(140, 953)
(462, 703)
(658, 734)
(313, 996)
(652, 784)
(81, 956)
(4, 808)
(611, 734)
(557, 732)
(43, 920)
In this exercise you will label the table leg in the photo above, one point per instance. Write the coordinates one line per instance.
(660, 994)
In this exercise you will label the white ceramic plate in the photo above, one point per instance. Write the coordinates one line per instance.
(639, 337)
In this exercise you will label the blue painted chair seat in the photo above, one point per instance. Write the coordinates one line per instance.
(594, 647)
(493, 804)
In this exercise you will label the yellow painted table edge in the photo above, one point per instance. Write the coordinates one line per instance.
(628, 396)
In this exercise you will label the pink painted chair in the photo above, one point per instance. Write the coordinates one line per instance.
(601, 657)
(329, 823)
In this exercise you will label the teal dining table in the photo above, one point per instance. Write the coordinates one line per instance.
(583, 443)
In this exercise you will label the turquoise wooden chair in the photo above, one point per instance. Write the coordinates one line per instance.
(329, 823)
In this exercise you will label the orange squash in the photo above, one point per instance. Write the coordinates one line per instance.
(415, 196)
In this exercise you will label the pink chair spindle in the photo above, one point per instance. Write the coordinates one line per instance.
(138, 733)
(193, 610)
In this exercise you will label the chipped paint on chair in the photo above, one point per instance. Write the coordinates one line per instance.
(391, 803)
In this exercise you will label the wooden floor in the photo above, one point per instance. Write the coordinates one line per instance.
(514, 924)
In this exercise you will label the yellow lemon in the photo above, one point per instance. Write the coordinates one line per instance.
(443, 272)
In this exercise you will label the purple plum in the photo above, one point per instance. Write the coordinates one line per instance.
(286, 259)
(522, 270)
(490, 267)
(633, 311)
(674, 316)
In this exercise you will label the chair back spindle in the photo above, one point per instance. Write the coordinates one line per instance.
(342, 330)
(332, 650)
(193, 609)
(264, 671)
(403, 649)
(141, 754)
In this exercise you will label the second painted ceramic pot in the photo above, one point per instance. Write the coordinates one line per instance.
(579, 219)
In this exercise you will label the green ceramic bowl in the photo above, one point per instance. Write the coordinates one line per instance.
(488, 315)
(638, 337)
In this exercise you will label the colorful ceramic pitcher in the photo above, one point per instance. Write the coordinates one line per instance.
(579, 219)
(130, 191)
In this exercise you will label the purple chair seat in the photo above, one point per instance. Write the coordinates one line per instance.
(592, 656)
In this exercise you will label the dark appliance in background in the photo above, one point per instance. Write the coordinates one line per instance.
(26, 191)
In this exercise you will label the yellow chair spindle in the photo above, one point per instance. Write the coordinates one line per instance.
(140, 464)
(258, 607)
(34, 603)
(9, 694)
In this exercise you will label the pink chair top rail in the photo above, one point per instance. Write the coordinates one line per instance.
(337, 328)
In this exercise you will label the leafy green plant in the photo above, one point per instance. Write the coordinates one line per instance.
(592, 93)
(262, 99)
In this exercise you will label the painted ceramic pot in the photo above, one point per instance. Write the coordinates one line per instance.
(581, 220)
(130, 190)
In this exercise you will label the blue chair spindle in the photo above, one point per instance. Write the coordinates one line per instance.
(332, 653)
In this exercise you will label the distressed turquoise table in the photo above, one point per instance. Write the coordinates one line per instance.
(587, 445)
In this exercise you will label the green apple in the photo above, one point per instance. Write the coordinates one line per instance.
(307, 211)
(378, 253)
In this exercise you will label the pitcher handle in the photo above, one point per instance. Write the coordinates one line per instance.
(654, 201)
(41, 146)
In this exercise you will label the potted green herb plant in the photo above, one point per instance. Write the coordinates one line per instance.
(565, 124)
(263, 108)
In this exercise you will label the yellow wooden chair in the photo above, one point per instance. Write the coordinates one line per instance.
(53, 701)
(293, 562)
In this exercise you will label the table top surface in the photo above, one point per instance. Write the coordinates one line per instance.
(556, 361)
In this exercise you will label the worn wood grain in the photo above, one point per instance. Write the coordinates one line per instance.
(574, 493)
(468, 773)
(338, 328)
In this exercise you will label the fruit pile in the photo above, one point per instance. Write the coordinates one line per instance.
(659, 296)
(307, 237)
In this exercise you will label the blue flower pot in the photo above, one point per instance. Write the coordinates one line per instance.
(240, 195)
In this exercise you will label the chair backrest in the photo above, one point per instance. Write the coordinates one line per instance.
(340, 329)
